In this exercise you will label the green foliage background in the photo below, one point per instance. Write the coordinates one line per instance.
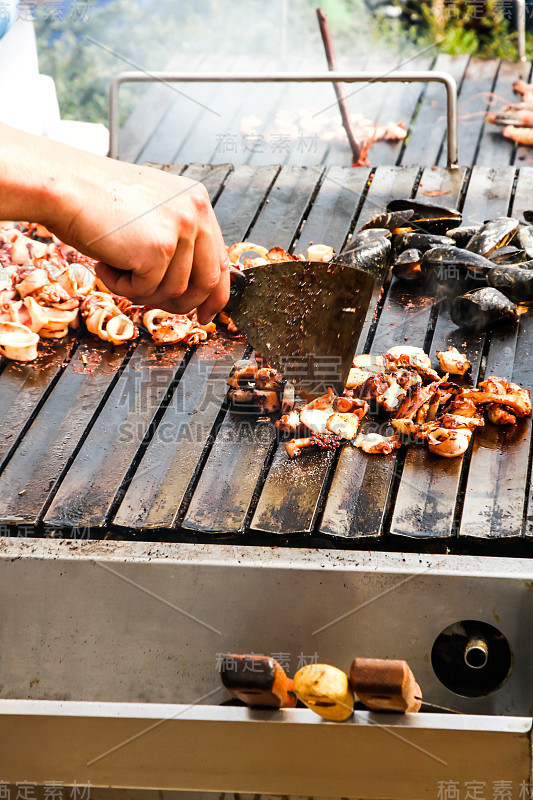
(83, 48)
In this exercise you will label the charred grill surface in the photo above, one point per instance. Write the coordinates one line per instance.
(138, 441)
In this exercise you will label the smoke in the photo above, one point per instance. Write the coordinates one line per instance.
(84, 43)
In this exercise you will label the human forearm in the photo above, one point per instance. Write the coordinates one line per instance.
(155, 234)
(30, 183)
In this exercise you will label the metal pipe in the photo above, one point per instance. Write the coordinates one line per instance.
(521, 28)
(289, 77)
(476, 653)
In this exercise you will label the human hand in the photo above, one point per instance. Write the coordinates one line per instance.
(155, 236)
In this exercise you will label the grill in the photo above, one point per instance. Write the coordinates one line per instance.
(205, 539)
(138, 443)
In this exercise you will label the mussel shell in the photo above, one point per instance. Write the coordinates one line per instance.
(515, 282)
(450, 262)
(462, 235)
(480, 309)
(507, 255)
(528, 216)
(524, 238)
(428, 217)
(389, 220)
(496, 233)
(407, 266)
(420, 241)
(371, 257)
(423, 210)
(366, 237)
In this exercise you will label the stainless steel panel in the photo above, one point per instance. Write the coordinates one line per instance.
(140, 622)
(236, 749)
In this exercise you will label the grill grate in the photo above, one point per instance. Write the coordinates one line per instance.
(138, 442)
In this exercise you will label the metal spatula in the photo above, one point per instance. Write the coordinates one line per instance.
(303, 317)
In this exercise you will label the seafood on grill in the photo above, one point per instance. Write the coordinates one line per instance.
(48, 288)
(18, 342)
(452, 262)
(493, 235)
(400, 387)
(376, 443)
(524, 238)
(462, 235)
(449, 443)
(479, 309)
(408, 265)
(393, 221)
(508, 255)
(371, 256)
(453, 362)
(516, 118)
(420, 241)
(513, 281)
(427, 217)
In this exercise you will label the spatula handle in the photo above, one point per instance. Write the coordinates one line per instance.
(238, 282)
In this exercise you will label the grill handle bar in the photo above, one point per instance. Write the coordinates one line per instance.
(289, 77)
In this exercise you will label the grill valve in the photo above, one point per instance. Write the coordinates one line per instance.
(385, 685)
(379, 684)
(257, 681)
(325, 690)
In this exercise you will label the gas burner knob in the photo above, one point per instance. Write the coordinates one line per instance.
(471, 658)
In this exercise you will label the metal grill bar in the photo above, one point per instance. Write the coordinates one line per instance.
(290, 77)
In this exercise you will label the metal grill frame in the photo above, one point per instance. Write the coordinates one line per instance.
(290, 77)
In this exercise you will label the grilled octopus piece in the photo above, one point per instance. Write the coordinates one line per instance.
(452, 361)
(375, 443)
(295, 446)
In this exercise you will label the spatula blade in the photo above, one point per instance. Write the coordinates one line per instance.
(305, 319)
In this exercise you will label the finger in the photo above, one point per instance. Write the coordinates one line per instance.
(171, 294)
(129, 283)
(204, 276)
(117, 281)
(218, 298)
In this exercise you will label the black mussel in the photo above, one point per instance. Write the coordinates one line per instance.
(450, 263)
(462, 235)
(420, 241)
(366, 237)
(407, 266)
(507, 255)
(371, 257)
(528, 216)
(482, 308)
(390, 220)
(496, 233)
(515, 282)
(524, 238)
(428, 217)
